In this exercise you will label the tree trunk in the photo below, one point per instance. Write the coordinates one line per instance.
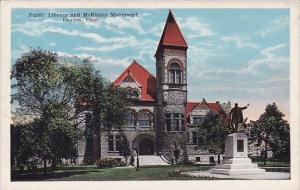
(53, 166)
(265, 157)
(45, 166)
(219, 158)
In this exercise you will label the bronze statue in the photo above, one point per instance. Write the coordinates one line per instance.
(236, 116)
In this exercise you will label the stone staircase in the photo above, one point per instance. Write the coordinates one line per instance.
(148, 160)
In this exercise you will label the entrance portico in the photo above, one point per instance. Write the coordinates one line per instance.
(144, 144)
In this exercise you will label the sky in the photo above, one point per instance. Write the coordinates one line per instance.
(236, 55)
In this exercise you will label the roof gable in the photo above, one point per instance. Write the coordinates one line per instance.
(145, 79)
(203, 105)
(190, 106)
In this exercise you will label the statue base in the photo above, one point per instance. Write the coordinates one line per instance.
(236, 161)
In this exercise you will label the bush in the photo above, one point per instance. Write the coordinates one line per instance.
(110, 162)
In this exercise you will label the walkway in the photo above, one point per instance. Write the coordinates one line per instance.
(147, 160)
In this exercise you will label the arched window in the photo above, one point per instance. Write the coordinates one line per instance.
(132, 93)
(135, 93)
(128, 93)
(130, 118)
(144, 119)
(175, 73)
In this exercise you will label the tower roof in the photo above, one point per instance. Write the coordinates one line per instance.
(142, 77)
(172, 35)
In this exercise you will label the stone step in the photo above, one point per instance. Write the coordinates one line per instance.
(237, 166)
(148, 160)
(256, 171)
(237, 161)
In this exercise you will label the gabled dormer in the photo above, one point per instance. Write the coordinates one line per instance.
(140, 84)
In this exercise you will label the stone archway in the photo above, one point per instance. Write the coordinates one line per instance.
(144, 144)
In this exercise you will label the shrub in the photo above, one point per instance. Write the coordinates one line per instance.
(110, 162)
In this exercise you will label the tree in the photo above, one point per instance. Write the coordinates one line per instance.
(273, 132)
(23, 144)
(52, 93)
(212, 134)
(43, 94)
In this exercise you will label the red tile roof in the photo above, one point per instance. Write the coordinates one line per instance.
(172, 35)
(190, 106)
(215, 107)
(142, 77)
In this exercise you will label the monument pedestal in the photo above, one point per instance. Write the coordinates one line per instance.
(236, 161)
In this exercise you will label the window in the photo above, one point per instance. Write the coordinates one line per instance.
(197, 120)
(176, 122)
(130, 118)
(135, 94)
(118, 142)
(144, 119)
(188, 139)
(175, 73)
(114, 142)
(168, 121)
(88, 118)
(132, 93)
(128, 93)
(110, 142)
(182, 122)
(195, 137)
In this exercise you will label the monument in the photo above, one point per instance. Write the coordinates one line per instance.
(236, 161)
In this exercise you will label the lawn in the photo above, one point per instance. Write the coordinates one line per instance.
(95, 174)
(271, 163)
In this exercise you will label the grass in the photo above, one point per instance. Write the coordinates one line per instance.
(95, 174)
(270, 163)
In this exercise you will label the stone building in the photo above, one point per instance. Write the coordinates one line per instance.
(159, 120)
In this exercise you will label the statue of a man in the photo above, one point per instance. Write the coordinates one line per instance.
(236, 116)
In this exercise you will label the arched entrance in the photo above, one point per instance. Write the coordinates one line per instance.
(144, 144)
(146, 147)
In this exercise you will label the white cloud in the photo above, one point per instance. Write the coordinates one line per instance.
(52, 44)
(270, 59)
(239, 41)
(276, 25)
(111, 44)
(157, 29)
(198, 27)
(117, 23)
(99, 60)
(16, 53)
(36, 29)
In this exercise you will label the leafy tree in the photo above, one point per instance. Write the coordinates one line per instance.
(212, 134)
(52, 93)
(43, 94)
(23, 144)
(273, 132)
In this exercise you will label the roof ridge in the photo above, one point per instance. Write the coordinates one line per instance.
(134, 61)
